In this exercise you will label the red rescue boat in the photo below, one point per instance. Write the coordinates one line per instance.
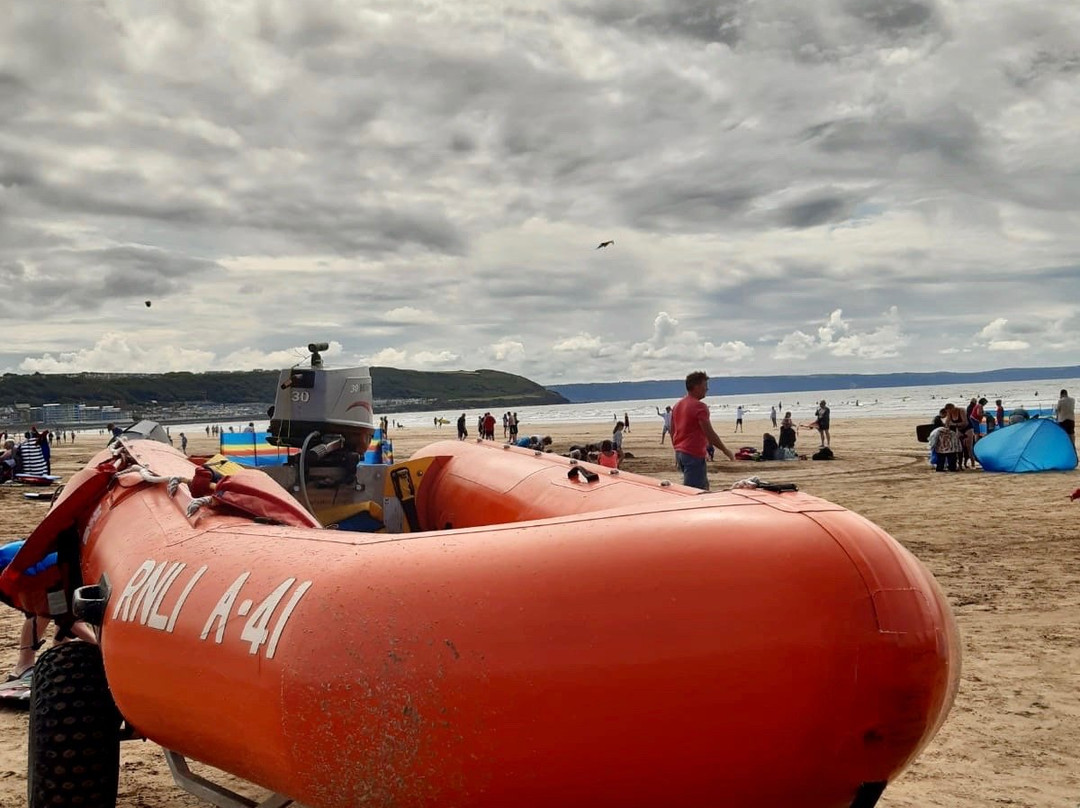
(548, 632)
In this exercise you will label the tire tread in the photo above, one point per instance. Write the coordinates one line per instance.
(74, 743)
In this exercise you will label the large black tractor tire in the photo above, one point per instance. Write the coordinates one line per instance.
(74, 743)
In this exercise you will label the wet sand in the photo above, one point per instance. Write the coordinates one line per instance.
(1003, 547)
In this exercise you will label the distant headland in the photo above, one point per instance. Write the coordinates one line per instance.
(85, 398)
(735, 385)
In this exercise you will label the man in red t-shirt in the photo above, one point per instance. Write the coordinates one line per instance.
(692, 432)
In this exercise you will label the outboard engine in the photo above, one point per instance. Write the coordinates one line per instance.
(327, 415)
(323, 411)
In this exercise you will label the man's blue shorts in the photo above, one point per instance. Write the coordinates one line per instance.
(694, 473)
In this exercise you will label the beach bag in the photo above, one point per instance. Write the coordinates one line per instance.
(948, 442)
(824, 453)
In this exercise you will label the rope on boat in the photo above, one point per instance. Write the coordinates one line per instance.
(172, 483)
(195, 504)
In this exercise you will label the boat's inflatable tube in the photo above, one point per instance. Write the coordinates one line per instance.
(628, 644)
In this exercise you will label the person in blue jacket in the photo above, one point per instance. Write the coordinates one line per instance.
(33, 630)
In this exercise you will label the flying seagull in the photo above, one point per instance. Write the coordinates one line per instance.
(605, 244)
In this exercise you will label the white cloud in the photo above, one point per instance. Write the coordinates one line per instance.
(583, 342)
(388, 357)
(247, 358)
(795, 345)
(120, 353)
(507, 350)
(664, 327)
(408, 315)
(436, 360)
(836, 337)
(993, 329)
(672, 345)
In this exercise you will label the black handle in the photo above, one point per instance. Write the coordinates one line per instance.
(590, 476)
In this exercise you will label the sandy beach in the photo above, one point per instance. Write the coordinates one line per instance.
(1001, 546)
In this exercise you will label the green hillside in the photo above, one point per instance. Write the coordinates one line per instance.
(398, 390)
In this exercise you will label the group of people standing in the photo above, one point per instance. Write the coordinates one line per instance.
(952, 441)
(957, 430)
(485, 426)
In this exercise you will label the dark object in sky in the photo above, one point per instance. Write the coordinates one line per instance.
(147, 304)
(605, 244)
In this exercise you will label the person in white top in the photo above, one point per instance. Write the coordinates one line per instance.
(738, 418)
(1065, 414)
(666, 415)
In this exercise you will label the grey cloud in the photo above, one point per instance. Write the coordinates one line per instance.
(1070, 274)
(88, 278)
(815, 212)
(894, 17)
(111, 196)
(331, 224)
(683, 205)
(296, 26)
(701, 20)
(462, 143)
(1043, 65)
(14, 95)
(951, 133)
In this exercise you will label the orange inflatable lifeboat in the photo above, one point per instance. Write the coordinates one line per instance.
(551, 634)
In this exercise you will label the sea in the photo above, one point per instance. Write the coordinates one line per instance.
(920, 404)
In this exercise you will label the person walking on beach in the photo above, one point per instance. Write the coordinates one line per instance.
(772, 416)
(821, 420)
(183, 443)
(1065, 415)
(462, 432)
(692, 433)
(738, 418)
(666, 415)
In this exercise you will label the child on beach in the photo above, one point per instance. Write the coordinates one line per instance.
(608, 456)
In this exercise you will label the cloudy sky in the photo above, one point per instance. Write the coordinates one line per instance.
(791, 186)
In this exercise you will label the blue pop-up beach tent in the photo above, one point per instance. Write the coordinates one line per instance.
(1037, 445)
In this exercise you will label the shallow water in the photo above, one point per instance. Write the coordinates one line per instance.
(919, 403)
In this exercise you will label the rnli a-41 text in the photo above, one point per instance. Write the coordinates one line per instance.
(150, 585)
